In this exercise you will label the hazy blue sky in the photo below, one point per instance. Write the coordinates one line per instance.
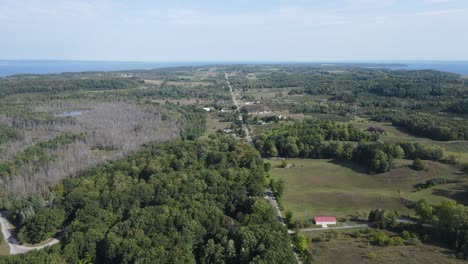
(234, 30)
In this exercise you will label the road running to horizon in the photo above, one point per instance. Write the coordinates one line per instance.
(245, 128)
(268, 192)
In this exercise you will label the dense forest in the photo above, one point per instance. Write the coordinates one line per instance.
(176, 202)
(38, 84)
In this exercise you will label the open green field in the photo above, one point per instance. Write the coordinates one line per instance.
(350, 250)
(394, 134)
(342, 188)
(266, 93)
(4, 249)
(213, 124)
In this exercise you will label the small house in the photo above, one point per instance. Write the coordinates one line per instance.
(324, 221)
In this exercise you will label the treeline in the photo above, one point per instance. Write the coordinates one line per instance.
(316, 139)
(38, 84)
(421, 84)
(6, 133)
(173, 91)
(460, 107)
(427, 125)
(36, 155)
(177, 202)
(378, 157)
(194, 121)
(311, 138)
(447, 222)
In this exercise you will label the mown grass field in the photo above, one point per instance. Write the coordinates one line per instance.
(393, 135)
(213, 124)
(4, 249)
(342, 188)
(346, 249)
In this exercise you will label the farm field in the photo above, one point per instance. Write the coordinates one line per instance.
(347, 249)
(342, 188)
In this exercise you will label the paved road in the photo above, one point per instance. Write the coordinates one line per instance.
(272, 199)
(13, 244)
(347, 226)
(334, 228)
(268, 193)
(234, 101)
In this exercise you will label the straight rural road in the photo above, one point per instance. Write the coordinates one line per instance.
(268, 193)
(234, 101)
(335, 228)
(347, 226)
(13, 243)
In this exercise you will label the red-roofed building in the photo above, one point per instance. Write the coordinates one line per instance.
(324, 221)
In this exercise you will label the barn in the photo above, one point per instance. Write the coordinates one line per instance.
(324, 221)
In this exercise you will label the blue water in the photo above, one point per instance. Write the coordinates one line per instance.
(69, 114)
(460, 67)
(10, 67)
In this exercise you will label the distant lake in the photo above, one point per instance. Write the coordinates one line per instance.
(10, 67)
(460, 67)
(69, 114)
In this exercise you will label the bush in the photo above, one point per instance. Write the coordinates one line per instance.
(413, 242)
(380, 239)
(284, 164)
(397, 241)
(372, 255)
(406, 235)
(288, 217)
(418, 165)
(383, 218)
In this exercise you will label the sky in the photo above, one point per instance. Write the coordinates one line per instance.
(234, 30)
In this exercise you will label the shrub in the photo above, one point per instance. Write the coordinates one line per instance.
(397, 241)
(413, 242)
(284, 164)
(406, 235)
(418, 165)
(380, 239)
(372, 255)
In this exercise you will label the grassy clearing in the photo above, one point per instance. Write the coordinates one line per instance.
(268, 93)
(213, 124)
(300, 98)
(4, 249)
(346, 249)
(394, 134)
(342, 188)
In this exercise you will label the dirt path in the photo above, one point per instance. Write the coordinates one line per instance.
(13, 244)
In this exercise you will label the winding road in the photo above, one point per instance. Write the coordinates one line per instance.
(13, 243)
